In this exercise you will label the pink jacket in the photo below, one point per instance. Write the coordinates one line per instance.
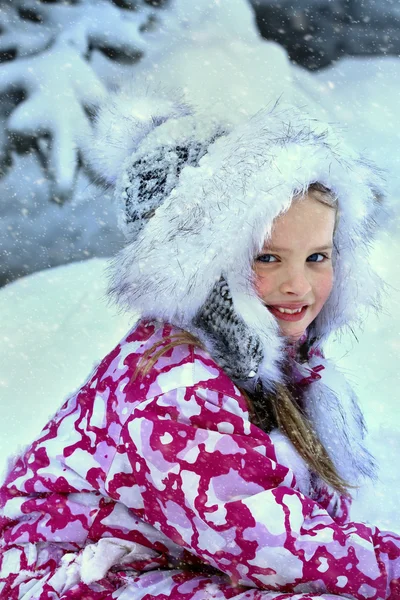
(162, 488)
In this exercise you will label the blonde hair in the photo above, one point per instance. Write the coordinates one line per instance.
(278, 408)
(324, 195)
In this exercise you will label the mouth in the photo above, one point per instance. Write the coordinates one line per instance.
(285, 316)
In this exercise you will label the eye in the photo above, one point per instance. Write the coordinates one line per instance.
(264, 258)
(324, 257)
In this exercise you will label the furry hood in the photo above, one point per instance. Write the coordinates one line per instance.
(205, 194)
(218, 213)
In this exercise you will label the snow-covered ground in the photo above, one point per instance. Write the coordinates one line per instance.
(55, 324)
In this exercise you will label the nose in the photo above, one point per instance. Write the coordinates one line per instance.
(296, 282)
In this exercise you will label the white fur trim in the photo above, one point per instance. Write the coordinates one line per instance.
(332, 407)
(218, 215)
(121, 124)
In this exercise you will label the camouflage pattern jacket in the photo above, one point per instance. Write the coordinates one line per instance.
(161, 487)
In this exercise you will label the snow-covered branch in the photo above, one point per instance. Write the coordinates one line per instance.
(47, 50)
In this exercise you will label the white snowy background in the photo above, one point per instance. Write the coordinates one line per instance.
(55, 324)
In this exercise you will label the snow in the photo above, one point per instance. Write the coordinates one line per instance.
(216, 55)
(29, 118)
(55, 325)
(62, 59)
(54, 72)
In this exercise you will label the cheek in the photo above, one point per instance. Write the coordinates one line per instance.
(325, 285)
(262, 284)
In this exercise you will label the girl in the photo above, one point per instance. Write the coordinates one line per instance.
(213, 452)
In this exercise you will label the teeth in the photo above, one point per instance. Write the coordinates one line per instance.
(287, 310)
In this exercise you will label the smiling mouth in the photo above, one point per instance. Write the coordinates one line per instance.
(287, 316)
(289, 311)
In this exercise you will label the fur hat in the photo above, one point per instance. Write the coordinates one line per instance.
(197, 198)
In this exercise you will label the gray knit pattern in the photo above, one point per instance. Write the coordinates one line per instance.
(152, 178)
(234, 347)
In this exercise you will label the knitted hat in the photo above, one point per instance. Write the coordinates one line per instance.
(197, 197)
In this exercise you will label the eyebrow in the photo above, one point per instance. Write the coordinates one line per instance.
(275, 249)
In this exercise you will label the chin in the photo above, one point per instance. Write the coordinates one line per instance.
(293, 336)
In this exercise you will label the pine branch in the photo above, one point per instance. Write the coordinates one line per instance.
(46, 49)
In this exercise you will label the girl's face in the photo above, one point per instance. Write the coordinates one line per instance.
(294, 269)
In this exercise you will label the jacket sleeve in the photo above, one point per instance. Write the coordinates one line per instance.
(55, 521)
(336, 504)
(209, 480)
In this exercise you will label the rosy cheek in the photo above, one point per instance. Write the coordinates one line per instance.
(255, 280)
(326, 286)
(260, 284)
